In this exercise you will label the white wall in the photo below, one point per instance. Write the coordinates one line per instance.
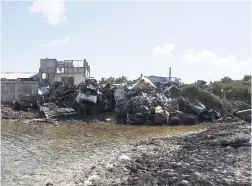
(10, 90)
(78, 78)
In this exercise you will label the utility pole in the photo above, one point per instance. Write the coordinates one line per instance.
(169, 74)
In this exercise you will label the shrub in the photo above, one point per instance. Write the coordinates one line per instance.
(209, 99)
(240, 105)
(247, 78)
(235, 90)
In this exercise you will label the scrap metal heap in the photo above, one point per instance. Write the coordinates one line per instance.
(61, 99)
(145, 103)
(142, 103)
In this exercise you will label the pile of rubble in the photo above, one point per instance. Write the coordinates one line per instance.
(145, 103)
(142, 103)
(61, 99)
(8, 113)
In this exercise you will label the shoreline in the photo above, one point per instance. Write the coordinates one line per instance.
(217, 156)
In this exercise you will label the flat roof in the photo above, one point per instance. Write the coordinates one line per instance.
(16, 75)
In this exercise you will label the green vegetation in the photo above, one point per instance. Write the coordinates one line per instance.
(224, 96)
(247, 78)
(209, 99)
(113, 80)
(234, 90)
(240, 105)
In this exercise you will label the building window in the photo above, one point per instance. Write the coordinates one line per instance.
(44, 76)
(60, 70)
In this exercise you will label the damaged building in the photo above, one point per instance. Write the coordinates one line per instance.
(71, 72)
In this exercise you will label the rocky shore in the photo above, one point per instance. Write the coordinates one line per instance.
(217, 156)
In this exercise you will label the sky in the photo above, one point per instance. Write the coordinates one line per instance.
(198, 40)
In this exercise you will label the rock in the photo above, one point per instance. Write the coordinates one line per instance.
(184, 183)
(236, 141)
(49, 184)
(110, 167)
(124, 157)
(174, 178)
(135, 178)
(228, 148)
(175, 165)
(175, 121)
(190, 121)
(229, 119)
(198, 174)
(91, 179)
(132, 168)
(187, 119)
(171, 173)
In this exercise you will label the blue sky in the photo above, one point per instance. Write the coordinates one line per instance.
(199, 40)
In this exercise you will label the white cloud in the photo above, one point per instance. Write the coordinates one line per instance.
(52, 10)
(209, 58)
(164, 50)
(57, 42)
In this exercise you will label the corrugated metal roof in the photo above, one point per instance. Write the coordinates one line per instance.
(163, 79)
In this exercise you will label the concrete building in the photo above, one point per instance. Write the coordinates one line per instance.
(68, 71)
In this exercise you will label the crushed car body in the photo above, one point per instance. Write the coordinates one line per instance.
(141, 103)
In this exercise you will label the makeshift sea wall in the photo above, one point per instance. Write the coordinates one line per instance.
(10, 90)
(142, 103)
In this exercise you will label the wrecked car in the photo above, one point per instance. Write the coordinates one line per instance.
(51, 110)
(141, 103)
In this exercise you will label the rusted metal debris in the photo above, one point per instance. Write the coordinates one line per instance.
(142, 103)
